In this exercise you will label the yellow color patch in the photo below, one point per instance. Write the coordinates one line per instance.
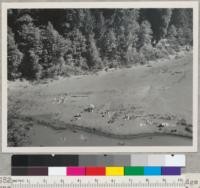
(114, 171)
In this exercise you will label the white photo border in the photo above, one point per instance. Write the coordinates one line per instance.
(99, 149)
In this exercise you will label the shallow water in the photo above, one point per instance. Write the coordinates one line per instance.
(45, 136)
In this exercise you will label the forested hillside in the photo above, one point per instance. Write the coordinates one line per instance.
(45, 43)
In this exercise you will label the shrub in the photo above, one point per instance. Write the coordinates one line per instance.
(140, 58)
(171, 50)
(68, 70)
(160, 49)
(83, 63)
(14, 60)
(56, 68)
(148, 52)
(134, 57)
(130, 56)
(111, 63)
(161, 53)
(30, 67)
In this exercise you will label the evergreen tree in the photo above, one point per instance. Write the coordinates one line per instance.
(126, 28)
(93, 57)
(172, 35)
(31, 69)
(165, 20)
(78, 47)
(55, 48)
(29, 43)
(182, 19)
(70, 22)
(172, 32)
(145, 34)
(44, 42)
(109, 45)
(100, 24)
(159, 20)
(14, 57)
(88, 23)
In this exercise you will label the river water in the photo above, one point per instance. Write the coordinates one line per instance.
(45, 136)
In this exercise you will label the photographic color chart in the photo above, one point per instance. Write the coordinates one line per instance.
(97, 165)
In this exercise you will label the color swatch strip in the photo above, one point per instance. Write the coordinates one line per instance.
(158, 160)
(97, 171)
(114, 171)
(99, 160)
(75, 171)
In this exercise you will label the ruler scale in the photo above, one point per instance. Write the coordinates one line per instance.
(183, 181)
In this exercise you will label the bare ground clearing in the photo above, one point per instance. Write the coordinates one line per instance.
(117, 107)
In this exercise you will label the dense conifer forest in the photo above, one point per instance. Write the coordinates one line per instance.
(44, 43)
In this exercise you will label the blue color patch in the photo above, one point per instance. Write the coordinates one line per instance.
(152, 171)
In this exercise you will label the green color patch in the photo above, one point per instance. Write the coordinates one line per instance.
(134, 171)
